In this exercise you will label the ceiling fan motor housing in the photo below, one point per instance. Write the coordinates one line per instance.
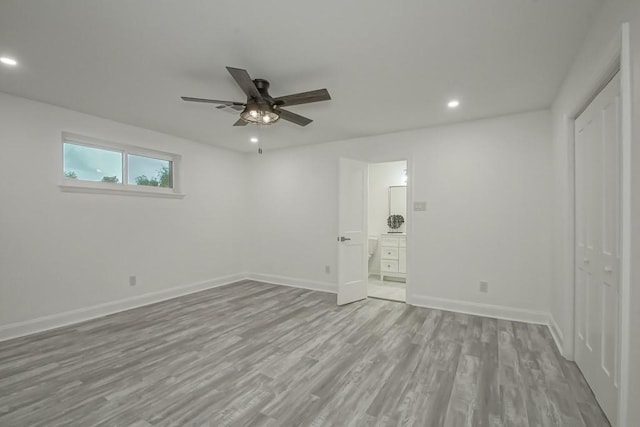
(263, 87)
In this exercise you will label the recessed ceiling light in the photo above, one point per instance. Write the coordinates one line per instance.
(8, 61)
(453, 103)
(254, 140)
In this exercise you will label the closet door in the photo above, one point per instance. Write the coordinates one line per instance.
(597, 203)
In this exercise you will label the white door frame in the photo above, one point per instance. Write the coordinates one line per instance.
(409, 229)
(616, 57)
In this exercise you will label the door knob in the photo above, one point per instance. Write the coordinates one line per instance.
(608, 269)
(344, 239)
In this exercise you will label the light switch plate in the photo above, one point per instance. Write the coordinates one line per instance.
(419, 206)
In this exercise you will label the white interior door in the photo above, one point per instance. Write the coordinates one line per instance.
(352, 225)
(597, 178)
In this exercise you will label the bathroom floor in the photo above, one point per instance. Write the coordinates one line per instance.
(390, 290)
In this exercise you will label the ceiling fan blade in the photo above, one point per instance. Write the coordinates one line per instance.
(240, 122)
(231, 109)
(293, 117)
(303, 97)
(212, 101)
(244, 81)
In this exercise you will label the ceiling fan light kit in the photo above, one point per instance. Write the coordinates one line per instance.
(259, 114)
(261, 108)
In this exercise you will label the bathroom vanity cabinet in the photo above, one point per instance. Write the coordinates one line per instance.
(393, 255)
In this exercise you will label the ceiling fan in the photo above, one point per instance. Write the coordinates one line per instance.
(260, 107)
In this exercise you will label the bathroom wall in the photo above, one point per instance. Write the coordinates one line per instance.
(381, 177)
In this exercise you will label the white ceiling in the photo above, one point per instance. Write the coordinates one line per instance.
(389, 65)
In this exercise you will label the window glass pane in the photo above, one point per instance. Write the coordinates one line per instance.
(92, 164)
(150, 171)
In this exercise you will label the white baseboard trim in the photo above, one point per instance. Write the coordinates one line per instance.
(556, 333)
(312, 285)
(45, 323)
(479, 309)
(53, 321)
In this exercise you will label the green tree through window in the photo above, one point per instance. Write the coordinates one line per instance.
(163, 179)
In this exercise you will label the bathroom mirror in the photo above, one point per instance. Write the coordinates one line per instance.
(398, 201)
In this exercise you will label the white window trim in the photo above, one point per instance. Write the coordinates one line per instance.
(79, 186)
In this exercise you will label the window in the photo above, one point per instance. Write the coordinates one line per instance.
(100, 166)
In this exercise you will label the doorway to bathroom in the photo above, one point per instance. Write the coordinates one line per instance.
(387, 230)
(374, 223)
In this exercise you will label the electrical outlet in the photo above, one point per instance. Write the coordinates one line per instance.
(327, 269)
(132, 280)
(484, 286)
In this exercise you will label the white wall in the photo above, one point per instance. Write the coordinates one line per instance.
(486, 184)
(381, 177)
(66, 251)
(580, 80)
(487, 188)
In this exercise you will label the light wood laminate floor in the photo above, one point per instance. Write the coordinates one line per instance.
(253, 354)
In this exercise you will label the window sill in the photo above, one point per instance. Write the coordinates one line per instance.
(102, 188)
